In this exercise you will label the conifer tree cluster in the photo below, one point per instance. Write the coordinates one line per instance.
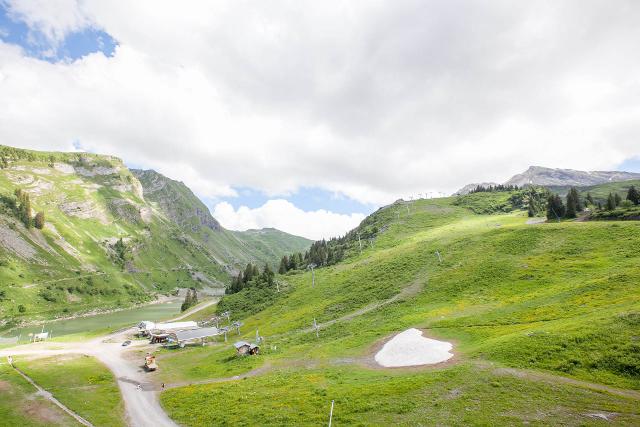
(536, 200)
(574, 205)
(321, 253)
(24, 207)
(251, 276)
(20, 207)
(556, 209)
(190, 299)
(494, 188)
(633, 195)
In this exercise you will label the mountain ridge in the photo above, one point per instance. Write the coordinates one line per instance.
(544, 176)
(104, 242)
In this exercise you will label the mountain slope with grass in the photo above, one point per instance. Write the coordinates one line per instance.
(232, 248)
(544, 319)
(92, 238)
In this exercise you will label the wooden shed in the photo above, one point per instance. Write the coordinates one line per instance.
(244, 348)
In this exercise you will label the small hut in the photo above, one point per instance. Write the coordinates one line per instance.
(243, 348)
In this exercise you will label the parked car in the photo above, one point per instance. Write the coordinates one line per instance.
(126, 343)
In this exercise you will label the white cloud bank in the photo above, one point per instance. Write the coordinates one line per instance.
(373, 100)
(285, 216)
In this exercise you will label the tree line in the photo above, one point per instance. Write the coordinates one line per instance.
(190, 299)
(20, 207)
(321, 253)
(557, 209)
(494, 188)
(251, 276)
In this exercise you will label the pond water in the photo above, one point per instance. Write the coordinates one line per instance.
(112, 321)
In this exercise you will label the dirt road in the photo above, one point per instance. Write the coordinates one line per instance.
(142, 406)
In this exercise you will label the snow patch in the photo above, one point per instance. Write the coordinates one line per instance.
(410, 348)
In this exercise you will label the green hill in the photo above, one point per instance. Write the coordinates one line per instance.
(544, 319)
(106, 241)
(231, 248)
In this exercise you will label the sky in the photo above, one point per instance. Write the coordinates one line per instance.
(307, 116)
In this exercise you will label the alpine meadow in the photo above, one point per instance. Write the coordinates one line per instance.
(413, 213)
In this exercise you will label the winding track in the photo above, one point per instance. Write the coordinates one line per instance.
(142, 406)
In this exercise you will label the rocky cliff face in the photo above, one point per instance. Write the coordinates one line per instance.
(548, 177)
(175, 200)
(538, 175)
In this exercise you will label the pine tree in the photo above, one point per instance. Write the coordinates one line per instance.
(248, 273)
(573, 203)
(617, 199)
(555, 207)
(267, 275)
(590, 200)
(292, 265)
(24, 208)
(531, 211)
(611, 202)
(188, 301)
(633, 195)
(284, 262)
(39, 220)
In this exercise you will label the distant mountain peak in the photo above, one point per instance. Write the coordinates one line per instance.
(540, 175)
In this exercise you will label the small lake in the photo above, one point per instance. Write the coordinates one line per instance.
(113, 321)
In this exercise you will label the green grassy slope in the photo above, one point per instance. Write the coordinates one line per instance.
(233, 249)
(90, 202)
(529, 308)
(20, 406)
(82, 384)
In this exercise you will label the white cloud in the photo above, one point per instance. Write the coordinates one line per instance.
(53, 18)
(285, 216)
(374, 100)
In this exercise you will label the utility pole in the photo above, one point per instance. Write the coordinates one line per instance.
(315, 326)
(359, 243)
(313, 274)
(331, 413)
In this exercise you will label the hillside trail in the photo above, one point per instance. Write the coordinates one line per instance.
(549, 378)
(407, 292)
(267, 367)
(196, 309)
(526, 374)
(141, 403)
(47, 395)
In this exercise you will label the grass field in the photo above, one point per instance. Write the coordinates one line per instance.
(20, 406)
(81, 383)
(558, 298)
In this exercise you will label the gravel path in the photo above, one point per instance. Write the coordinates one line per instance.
(47, 395)
(142, 406)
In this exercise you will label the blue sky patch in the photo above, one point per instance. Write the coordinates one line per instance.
(307, 199)
(630, 165)
(35, 44)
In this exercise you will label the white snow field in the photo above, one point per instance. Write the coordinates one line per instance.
(410, 348)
